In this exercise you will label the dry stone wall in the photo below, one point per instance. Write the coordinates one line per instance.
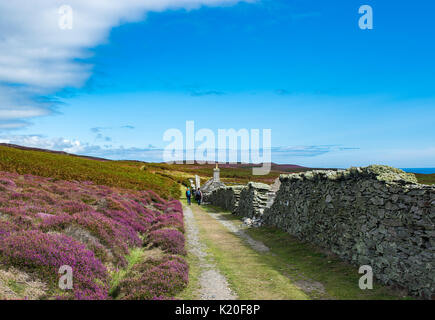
(253, 200)
(377, 216)
(245, 201)
(225, 197)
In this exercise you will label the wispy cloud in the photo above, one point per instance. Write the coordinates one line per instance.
(100, 129)
(283, 92)
(206, 93)
(308, 151)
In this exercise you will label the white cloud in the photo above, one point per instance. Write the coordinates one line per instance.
(78, 147)
(39, 57)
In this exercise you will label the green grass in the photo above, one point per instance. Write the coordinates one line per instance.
(299, 261)
(339, 279)
(18, 288)
(136, 255)
(425, 178)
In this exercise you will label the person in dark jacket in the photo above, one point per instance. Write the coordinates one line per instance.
(188, 195)
(198, 196)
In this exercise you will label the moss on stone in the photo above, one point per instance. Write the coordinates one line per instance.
(390, 174)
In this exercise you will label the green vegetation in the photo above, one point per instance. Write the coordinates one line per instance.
(245, 269)
(121, 174)
(425, 178)
(319, 274)
(135, 256)
(239, 174)
(234, 175)
(18, 288)
(295, 258)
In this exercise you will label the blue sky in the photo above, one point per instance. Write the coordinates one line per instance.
(334, 95)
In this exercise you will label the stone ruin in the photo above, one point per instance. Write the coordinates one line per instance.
(212, 184)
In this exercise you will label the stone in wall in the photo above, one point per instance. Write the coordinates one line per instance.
(377, 216)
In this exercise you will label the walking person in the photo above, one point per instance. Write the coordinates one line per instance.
(198, 196)
(188, 196)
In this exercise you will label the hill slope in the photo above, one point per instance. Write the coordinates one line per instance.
(73, 168)
(46, 224)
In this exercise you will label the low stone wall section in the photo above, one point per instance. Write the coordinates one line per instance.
(377, 216)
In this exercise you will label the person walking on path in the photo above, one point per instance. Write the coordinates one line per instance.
(198, 196)
(188, 196)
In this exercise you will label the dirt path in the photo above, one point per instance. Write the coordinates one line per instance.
(213, 285)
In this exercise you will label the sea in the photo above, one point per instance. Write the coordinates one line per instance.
(419, 170)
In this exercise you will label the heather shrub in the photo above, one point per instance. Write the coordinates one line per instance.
(111, 233)
(159, 206)
(74, 207)
(169, 240)
(6, 228)
(173, 220)
(43, 253)
(155, 198)
(46, 223)
(155, 279)
(133, 219)
(7, 182)
(174, 206)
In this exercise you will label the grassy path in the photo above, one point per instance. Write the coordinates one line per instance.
(212, 285)
(244, 268)
(265, 263)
